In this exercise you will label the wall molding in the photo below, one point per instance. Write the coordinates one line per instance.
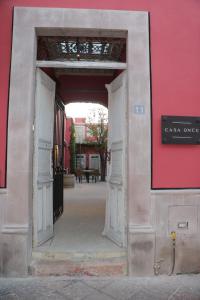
(15, 229)
(3, 191)
(81, 65)
(135, 228)
(174, 191)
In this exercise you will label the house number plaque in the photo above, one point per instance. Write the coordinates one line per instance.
(180, 130)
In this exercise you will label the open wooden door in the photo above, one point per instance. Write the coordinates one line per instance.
(42, 160)
(115, 223)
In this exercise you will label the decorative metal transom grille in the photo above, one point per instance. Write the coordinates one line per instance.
(81, 48)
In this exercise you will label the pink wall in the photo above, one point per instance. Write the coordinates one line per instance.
(175, 59)
(67, 136)
(87, 137)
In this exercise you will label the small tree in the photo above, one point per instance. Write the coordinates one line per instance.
(73, 149)
(98, 129)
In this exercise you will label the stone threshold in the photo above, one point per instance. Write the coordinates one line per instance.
(78, 264)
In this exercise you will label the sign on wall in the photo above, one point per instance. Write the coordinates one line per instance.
(180, 130)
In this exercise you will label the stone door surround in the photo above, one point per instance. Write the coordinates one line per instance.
(28, 23)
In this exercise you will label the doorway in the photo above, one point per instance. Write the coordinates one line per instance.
(103, 201)
(21, 110)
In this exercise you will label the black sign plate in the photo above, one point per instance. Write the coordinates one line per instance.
(180, 130)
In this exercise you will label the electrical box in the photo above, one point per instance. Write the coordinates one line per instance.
(183, 219)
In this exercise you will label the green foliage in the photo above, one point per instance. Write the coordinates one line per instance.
(99, 135)
(98, 130)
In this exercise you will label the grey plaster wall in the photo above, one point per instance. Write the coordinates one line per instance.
(3, 195)
(172, 208)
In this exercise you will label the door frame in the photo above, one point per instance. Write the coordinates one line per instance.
(84, 155)
(29, 22)
(90, 160)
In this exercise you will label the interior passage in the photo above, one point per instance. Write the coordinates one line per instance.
(80, 227)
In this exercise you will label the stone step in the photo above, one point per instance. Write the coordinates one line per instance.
(78, 264)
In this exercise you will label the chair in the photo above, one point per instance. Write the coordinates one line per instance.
(79, 174)
(95, 175)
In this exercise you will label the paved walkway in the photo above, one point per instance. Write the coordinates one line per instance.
(180, 287)
(80, 227)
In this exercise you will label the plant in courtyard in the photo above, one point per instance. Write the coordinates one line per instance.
(73, 149)
(98, 130)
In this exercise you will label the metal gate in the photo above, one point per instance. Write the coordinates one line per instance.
(58, 160)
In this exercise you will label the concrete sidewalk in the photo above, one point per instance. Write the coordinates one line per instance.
(180, 287)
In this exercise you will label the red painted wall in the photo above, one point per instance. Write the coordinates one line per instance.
(87, 137)
(79, 121)
(175, 58)
(67, 136)
(82, 88)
